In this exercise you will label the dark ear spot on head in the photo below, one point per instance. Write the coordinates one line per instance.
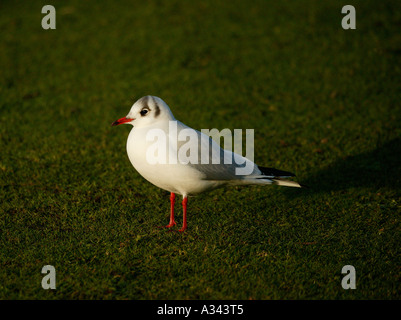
(145, 102)
(157, 110)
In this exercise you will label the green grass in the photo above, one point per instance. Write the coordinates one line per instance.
(324, 103)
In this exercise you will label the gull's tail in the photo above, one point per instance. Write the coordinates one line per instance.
(287, 183)
(278, 177)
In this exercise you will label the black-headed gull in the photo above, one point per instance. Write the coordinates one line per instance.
(165, 162)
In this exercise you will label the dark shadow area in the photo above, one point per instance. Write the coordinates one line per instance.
(375, 169)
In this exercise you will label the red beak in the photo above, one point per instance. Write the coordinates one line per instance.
(121, 121)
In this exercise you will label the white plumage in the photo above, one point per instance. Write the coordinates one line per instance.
(158, 147)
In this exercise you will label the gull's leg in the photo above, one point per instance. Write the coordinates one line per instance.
(172, 201)
(172, 222)
(184, 213)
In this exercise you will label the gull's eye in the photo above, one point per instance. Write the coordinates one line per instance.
(144, 112)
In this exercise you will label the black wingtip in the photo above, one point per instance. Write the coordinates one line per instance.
(272, 172)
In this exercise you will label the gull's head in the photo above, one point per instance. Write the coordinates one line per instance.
(146, 111)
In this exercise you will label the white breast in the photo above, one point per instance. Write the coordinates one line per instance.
(177, 178)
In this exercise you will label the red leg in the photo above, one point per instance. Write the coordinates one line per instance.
(172, 201)
(184, 214)
(172, 222)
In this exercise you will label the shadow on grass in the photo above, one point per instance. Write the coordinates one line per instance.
(375, 169)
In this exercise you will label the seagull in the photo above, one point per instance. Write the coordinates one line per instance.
(211, 166)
